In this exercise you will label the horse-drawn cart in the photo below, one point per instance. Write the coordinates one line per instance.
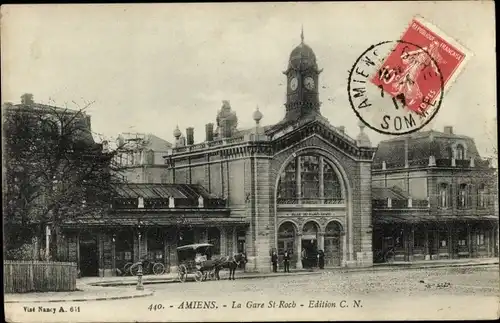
(195, 259)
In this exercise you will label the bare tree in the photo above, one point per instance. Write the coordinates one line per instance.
(53, 170)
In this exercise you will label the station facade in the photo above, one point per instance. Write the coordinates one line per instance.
(300, 184)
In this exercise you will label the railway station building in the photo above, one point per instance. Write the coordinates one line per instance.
(300, 184)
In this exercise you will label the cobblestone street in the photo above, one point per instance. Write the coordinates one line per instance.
(451, 293)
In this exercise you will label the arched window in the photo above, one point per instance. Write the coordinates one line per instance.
(443, 195)
(459, 152)
(309, 179)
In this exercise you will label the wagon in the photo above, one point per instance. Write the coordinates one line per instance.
(188, 264)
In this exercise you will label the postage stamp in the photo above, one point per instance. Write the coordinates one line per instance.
(410, 77)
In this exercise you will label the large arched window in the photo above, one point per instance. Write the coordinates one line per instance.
(309, 179)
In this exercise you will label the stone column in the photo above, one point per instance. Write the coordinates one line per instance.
(234, 238)
(411, 242)
(223, 240)
(450, 240)
(113, 255)
(469, 240)
(426, 244)
(298, 178)
(321, 179)
(299, 251)
(321, 241)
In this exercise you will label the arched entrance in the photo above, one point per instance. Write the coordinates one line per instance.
(310, 244)
(333, 248)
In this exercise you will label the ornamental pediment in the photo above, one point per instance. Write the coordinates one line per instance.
(294, 133)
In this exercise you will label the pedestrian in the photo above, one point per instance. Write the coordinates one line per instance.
(304, 258)
(274, 260)
(321, 259)
(286, 261)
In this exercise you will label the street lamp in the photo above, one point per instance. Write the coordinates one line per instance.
(139, 286)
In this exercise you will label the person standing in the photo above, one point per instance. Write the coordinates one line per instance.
(286, 261)
(303, 255)
(274, 260)
(321, 259)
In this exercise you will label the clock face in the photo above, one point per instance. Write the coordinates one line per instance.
(294, 83)
(309, 83)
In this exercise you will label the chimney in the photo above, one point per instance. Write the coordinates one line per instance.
(448, 130)
(341, 129)
(209, 132)
(189, 136)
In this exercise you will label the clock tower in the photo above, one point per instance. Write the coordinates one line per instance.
(302, 97)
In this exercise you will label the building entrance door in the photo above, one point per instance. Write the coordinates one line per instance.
(311, 248)
(89, 256)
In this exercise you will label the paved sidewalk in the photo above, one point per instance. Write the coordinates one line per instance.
(172, 278)
(84, 293)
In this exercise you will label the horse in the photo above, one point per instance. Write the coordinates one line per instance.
(229, 262)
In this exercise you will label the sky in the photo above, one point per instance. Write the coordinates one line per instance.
(148, 68)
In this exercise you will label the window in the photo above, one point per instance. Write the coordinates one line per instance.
(459, 152)
(443, 195)
(309, 169)
(464, 196)
(318, 179)
(480, 239)
(482, 197)
(462, 237)
(288, 184)
(331, 183)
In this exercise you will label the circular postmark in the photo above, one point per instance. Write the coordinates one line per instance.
(395, 87)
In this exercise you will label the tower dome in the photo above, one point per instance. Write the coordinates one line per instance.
(302, 57)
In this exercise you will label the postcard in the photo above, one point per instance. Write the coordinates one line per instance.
(241, 162)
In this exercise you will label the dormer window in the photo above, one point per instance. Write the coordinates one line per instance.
(460, 152)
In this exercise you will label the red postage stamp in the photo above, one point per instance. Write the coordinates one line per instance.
(421, 67)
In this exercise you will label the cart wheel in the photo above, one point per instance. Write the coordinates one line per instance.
(126, 268)
(134, 269)
(182, 273)
(158, 268)
(198, 276)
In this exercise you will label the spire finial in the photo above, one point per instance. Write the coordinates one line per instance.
(302, 34)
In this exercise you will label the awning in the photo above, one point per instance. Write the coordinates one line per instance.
(148, 191)
(132, 222)
(382, 219)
